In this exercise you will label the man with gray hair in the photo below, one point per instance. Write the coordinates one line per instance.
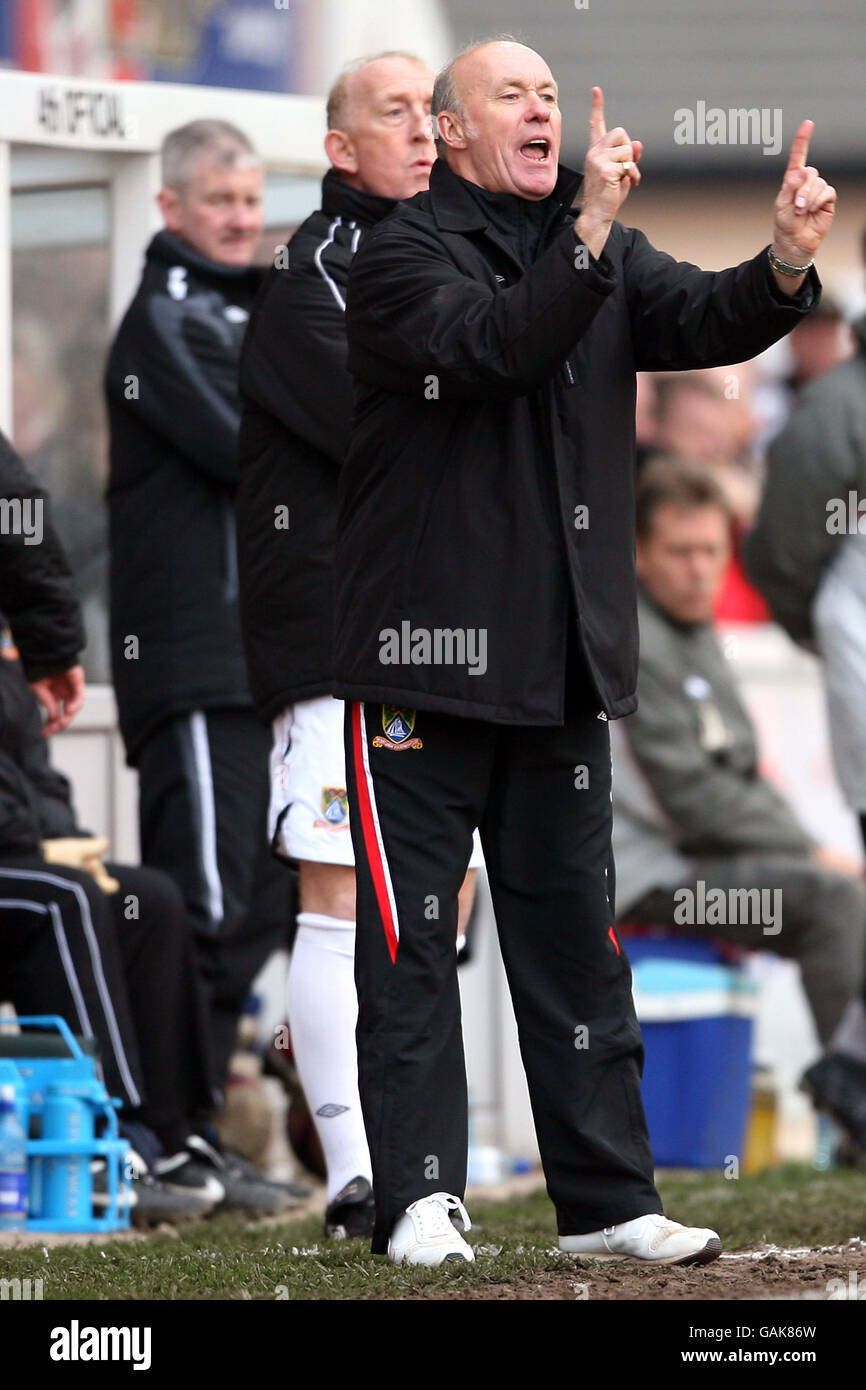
(183, 702)
(211, 193)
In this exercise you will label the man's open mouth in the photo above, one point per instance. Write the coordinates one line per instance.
(537, 150)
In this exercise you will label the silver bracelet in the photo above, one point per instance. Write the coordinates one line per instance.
(784, 268)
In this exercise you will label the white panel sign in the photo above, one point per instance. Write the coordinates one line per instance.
(36, 108)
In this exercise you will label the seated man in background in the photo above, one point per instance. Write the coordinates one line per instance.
(702, 843)
(109, 948)
(59, 952)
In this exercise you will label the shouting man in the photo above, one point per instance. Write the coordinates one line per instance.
(487, 505)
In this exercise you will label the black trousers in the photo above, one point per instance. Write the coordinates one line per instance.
(203, 796)
(119, 968)
(541, 798)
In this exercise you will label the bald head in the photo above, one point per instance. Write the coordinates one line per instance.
(469, 67)
(356, 76)
(380, 135)
(498, 118)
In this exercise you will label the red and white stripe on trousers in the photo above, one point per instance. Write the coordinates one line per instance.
(371, 831)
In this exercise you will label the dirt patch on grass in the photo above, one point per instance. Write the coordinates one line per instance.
(764, 1274)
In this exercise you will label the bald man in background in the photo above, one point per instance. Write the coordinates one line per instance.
(297, 416)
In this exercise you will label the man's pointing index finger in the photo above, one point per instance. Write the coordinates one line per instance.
(597, 127)
(800, 147)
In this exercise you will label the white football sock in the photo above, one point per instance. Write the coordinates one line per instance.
(323, 1011)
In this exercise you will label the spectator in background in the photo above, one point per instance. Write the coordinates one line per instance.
(38, 597)
(816, 346)
(807, 552)
(705, 417)
(60, 952)
(691, 811)
(184, 705)
(109, 948)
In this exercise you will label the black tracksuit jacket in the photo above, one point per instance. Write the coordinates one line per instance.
(174, 414)
(297, 414)
(37, 595)
(489, 480)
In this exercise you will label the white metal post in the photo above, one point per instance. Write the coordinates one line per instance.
(134, 219)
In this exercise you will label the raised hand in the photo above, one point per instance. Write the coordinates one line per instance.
(805, 205)
(611, 165)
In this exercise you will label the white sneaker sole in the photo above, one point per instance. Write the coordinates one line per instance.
(431, 1258)
(709, 1252)
(210, 1191)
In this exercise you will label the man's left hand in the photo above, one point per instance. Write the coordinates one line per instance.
(804, 209)
(61, 697)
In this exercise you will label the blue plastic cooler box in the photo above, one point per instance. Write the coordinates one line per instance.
(64, 1100)
(697, 1019)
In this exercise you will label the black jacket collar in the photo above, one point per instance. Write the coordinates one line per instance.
(168, 249)
(455, 209)
(339, 199)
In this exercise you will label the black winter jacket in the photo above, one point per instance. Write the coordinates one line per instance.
(488, 488)
(294, 434)
(35, 799)
(36, 592)
(36, 588)
(174, 414)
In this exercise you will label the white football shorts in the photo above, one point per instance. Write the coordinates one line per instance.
(308, 815)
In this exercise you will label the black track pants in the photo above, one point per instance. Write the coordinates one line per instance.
(541, 797)
(203, 796)
(120, 968)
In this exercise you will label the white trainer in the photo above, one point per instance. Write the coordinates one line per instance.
(426, 1235)
(651, 1239)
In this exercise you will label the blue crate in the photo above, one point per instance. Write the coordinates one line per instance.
(697, 1020)
(65, 1093)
